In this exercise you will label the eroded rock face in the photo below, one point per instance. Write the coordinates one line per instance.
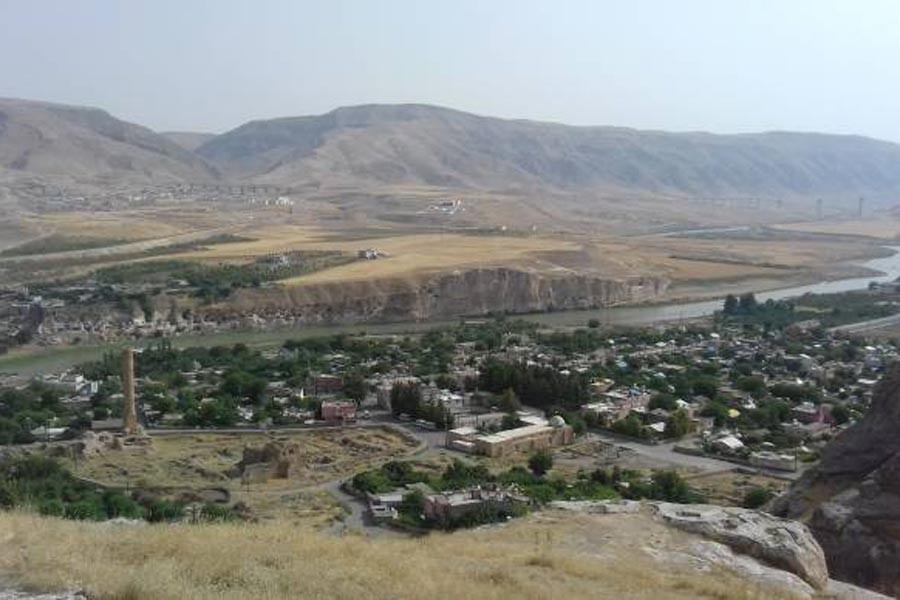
(788, 545)
(469, 292)
(851, 500)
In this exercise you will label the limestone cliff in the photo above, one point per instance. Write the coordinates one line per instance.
(471, 292)
(851, 500)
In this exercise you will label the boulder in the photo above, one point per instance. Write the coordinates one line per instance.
(784, 544)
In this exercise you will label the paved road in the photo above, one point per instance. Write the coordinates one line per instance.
(665, 453)
(868, 325)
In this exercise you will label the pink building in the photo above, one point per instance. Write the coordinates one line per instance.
(338, 411)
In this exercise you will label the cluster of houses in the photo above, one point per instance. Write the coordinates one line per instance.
(445, 508)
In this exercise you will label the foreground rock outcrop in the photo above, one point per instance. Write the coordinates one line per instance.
(780, 555)
(784, 544)
(851, 500)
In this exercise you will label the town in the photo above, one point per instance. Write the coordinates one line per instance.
(490, 405)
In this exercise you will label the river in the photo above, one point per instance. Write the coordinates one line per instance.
(55, 359)
(888, 266)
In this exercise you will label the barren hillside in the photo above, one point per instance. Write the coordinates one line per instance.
(72, 146)
(417, 144)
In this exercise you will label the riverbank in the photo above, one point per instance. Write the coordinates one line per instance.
(885, 267)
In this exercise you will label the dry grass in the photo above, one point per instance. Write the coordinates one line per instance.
(193, 461)
(407, 253)
(729, 488)
(604, 253)
(133, 226)
(550, 557)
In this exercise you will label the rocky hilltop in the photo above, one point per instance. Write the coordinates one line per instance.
(851, 500)
(472, 292)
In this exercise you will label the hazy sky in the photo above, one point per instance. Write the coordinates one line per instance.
(717, 65)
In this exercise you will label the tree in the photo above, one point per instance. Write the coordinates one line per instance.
(355, 386)
(630, 426)
(840, 413)
(747, 303)
(540, 462)
(508, 401)
(412, 504)
(669, 486)
(679, 424)
(731, 304)
(405, 398)
(593, 323)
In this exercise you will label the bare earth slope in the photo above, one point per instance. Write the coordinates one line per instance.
(76, 146)
(418, 144)
(189, 140)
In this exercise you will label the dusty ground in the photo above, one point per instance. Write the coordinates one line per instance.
(729, 488)
(193, 461)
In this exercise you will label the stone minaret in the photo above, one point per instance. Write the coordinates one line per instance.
(129, 411)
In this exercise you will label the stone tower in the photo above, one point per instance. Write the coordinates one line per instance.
(129, 410)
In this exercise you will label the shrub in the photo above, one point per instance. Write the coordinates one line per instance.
(51, 507)
(217, 513)
(164, 510)
(85, 510)
(757, 497)
(540, 462)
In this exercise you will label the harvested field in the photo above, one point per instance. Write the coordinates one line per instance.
(887, 228)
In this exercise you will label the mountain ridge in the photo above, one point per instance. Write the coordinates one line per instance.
(71, 145)
(424, 144)
(376, 145)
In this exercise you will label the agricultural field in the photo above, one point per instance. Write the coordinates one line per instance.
(408, 251)
(887, 228)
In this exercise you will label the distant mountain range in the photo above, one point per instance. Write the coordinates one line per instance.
(376, 145)
(74, 146)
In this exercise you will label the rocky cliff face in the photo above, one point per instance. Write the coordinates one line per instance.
(444, 295)
(851, 501)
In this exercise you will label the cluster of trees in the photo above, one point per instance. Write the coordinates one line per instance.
(406, 399)
(38, 404)
(216, 282)
(41, 483)
(540, 387)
